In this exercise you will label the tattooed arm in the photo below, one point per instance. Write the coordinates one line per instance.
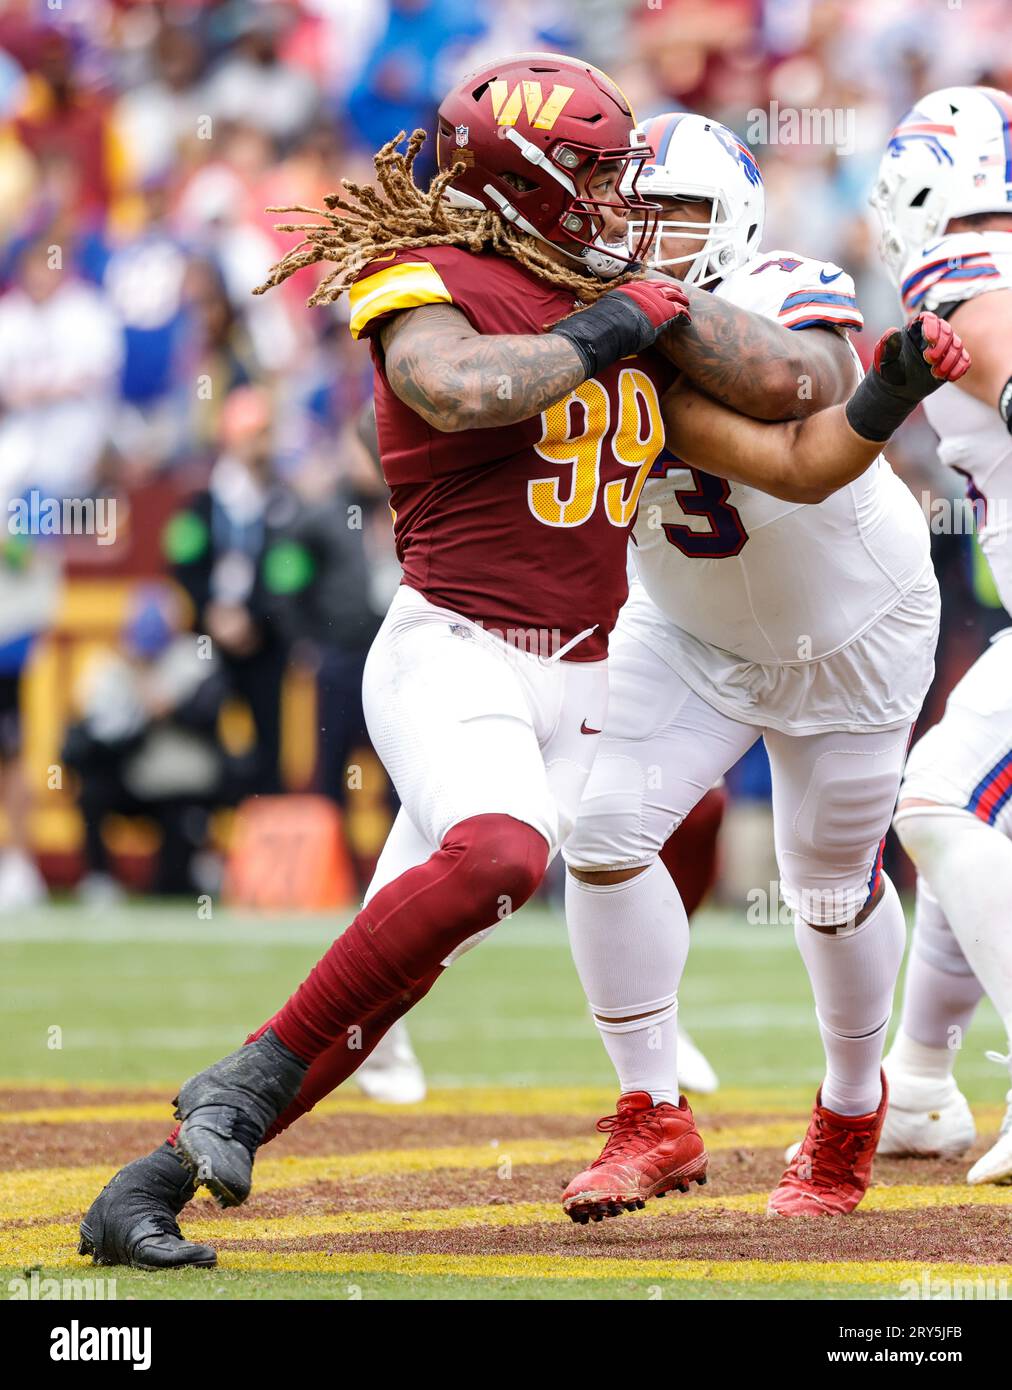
(806, 460)
(798, 460)
(756, 366)
(458, 379)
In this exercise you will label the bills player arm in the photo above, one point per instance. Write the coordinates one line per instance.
(456, 378)
(984, 324)
(807, 460)
(758, 365)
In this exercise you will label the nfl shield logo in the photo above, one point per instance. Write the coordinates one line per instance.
(462, 132)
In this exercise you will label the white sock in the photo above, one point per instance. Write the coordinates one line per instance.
(853, 976)
(940, 995)
(968, 867)
(629, 942)
(910, 1058)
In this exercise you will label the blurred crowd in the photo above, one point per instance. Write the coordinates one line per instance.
(140, 144)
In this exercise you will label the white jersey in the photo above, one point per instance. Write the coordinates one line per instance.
(754, 588)
(972, 437)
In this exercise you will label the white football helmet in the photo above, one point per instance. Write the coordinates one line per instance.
(696, 158)
(950, 156)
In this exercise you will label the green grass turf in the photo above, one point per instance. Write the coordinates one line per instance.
(222, 1284)
(150, 994)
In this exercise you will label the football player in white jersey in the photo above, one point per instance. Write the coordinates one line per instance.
(810, 626)
(944, 198)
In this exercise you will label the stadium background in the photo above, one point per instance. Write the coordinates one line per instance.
(139, 145)
(143, 142)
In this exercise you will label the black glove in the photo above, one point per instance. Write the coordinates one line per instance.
(624, 322)
(908, 365)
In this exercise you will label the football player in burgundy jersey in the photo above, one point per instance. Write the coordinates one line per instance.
(518, 402)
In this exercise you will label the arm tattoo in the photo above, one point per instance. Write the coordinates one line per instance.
(458, 379)
(756, 366)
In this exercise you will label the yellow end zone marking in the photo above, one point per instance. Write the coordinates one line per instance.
(53, 1243)
(584, 1267)
(889, 1272)
(485, 1100)
(586, 1101)
(31, 1193)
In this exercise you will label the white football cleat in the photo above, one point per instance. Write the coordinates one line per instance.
(694, 1071)
(392, 1073)
(21, 884)
(926, 1118)
(996, 1164)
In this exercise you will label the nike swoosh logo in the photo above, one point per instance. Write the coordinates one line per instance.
(828, 279)
(585, 730)
(928, 249)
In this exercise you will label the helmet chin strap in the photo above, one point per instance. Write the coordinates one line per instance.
(606, 266)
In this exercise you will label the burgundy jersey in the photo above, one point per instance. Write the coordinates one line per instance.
(522, 527)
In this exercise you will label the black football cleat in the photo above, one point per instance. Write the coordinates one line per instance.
(227, 1109)
(132, 1221)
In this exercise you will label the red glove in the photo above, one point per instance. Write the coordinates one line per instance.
(908, 365)
(663, 301)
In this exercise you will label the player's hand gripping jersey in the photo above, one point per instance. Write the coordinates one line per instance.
(745, 578)
(971, 435)
(530, 518)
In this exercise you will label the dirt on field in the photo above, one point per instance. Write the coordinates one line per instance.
(700, 1228)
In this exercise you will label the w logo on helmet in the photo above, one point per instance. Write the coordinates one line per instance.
(541, 113)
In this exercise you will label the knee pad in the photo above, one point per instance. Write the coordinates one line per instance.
(830, 859)
(497, 862)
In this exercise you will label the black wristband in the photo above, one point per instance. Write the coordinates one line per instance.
(1005, 404)
(874, 411)
(613, 327)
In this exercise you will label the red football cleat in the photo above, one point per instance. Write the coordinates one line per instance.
(831, 1170)
(651, 1149)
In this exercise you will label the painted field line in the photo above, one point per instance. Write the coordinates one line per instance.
(513, 1100)
(587, 1101)
(590, 1267)
(51, 1244)
(890, 1273)
(33, 1193)
(56, 1242)
(383, 1220)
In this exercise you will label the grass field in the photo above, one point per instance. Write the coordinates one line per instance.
(104, 1015)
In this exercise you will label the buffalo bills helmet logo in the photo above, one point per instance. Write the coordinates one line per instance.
(740, 152)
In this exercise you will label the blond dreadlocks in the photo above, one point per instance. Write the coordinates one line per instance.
(399, 216)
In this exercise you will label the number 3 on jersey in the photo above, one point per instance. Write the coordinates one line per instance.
(582, 451)
(708, 498)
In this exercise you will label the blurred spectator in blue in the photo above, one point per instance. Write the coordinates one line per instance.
(142, 276)
(398, 88)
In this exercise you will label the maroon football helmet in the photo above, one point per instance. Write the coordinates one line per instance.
(544, 119)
